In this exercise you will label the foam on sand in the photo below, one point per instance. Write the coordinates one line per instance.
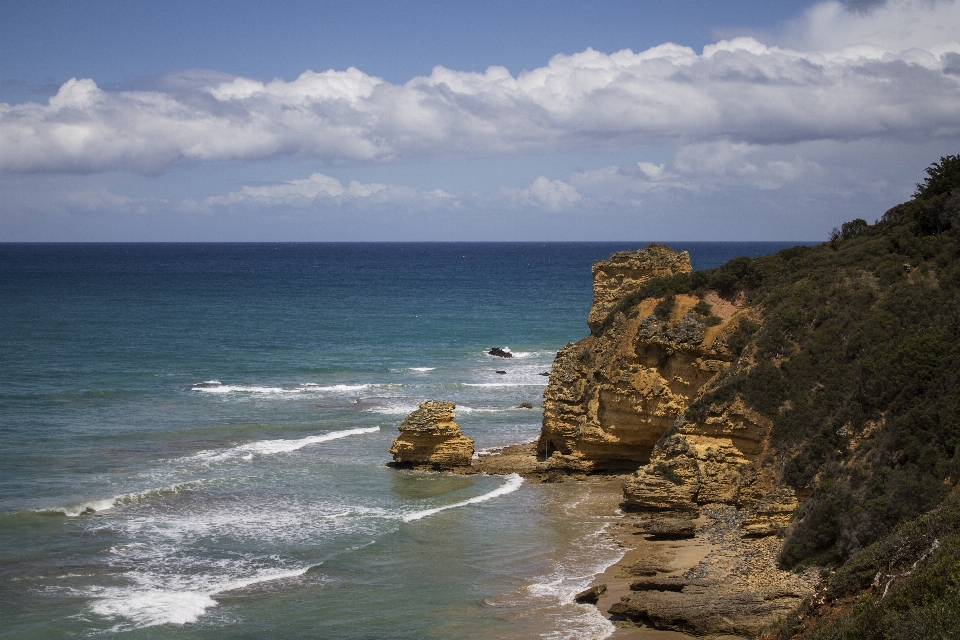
(513, 482)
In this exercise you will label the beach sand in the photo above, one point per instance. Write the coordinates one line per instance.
(736, 569)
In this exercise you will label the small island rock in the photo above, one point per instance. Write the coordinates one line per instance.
(430, 438)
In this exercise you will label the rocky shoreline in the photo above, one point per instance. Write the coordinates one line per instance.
(678, 577)
(703, 504)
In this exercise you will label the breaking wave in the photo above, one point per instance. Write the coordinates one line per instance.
(513, 482)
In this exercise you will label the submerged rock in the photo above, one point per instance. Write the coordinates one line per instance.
(430, 438)
(500, 353)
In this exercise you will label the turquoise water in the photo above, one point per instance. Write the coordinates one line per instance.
(194, 438)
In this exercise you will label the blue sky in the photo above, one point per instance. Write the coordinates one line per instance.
(470, 120)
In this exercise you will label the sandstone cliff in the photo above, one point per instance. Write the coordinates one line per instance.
(430, 438)
(626, 271)
(612, 395)
(618, 400)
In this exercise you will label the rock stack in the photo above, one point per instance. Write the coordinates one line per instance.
(430, 438)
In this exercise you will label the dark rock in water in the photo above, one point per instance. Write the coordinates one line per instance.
(500, 353)
(545, 373)
(591, 595)
(525, 405)
(501, 371)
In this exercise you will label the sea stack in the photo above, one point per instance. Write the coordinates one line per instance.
(430, 438)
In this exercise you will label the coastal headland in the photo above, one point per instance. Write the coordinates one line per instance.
(781, 432)
(700, 503)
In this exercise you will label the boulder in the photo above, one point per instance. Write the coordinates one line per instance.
(500, 353)
(591, 595)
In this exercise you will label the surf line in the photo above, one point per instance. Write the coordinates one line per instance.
(151, 607)
(513, 482)
(269, 447)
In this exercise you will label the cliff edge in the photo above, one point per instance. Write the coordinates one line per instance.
(619, 400)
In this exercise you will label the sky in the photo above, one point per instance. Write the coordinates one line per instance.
(468, 121)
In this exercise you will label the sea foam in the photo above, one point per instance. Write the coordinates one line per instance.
(214, 386)
(269, 447)
(133, 497)
(513, 482)
(153, 606)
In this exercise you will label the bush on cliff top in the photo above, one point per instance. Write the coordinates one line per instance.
(905, 586)
(856, 362)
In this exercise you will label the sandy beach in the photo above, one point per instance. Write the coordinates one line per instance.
(702, 574)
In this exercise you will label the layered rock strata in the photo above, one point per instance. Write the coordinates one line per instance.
(725, 458)
(430, 438)
(719, 582)
(618, 400)
(627, 271)
(612, 395)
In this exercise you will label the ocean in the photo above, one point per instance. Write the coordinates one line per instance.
(193, 440)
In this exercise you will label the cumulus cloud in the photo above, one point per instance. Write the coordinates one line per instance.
(552, 195)
(320, 190)
(695, 167)
(884, 73)
(876, 28)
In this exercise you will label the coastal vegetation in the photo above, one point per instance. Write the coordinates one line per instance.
(855, 359)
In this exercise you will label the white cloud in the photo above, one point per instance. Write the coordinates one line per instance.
(552, 195)
(320, 190)
(887, 73)
(894, 25)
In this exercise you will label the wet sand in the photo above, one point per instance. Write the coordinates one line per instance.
(738, 566)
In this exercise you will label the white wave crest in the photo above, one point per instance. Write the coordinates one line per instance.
(464, 409)
(421, 369)
(399, 409)
(104, 504)
(151, 607)
(504, 384)
(213, 386)
(513, 482)
(269, 447)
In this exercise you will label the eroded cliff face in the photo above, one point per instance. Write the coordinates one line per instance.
(617, 399)
(612, 395)
(626, 271)
(430, 438)
(723, 459)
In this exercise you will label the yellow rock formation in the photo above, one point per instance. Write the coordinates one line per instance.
(617, 399)
(626, 271)
(430, 438)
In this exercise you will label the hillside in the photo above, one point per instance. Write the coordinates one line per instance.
(856, 362)
(815, 391)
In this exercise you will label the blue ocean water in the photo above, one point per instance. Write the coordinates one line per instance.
(193, 439)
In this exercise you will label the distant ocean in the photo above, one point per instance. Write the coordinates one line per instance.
(193, 440)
